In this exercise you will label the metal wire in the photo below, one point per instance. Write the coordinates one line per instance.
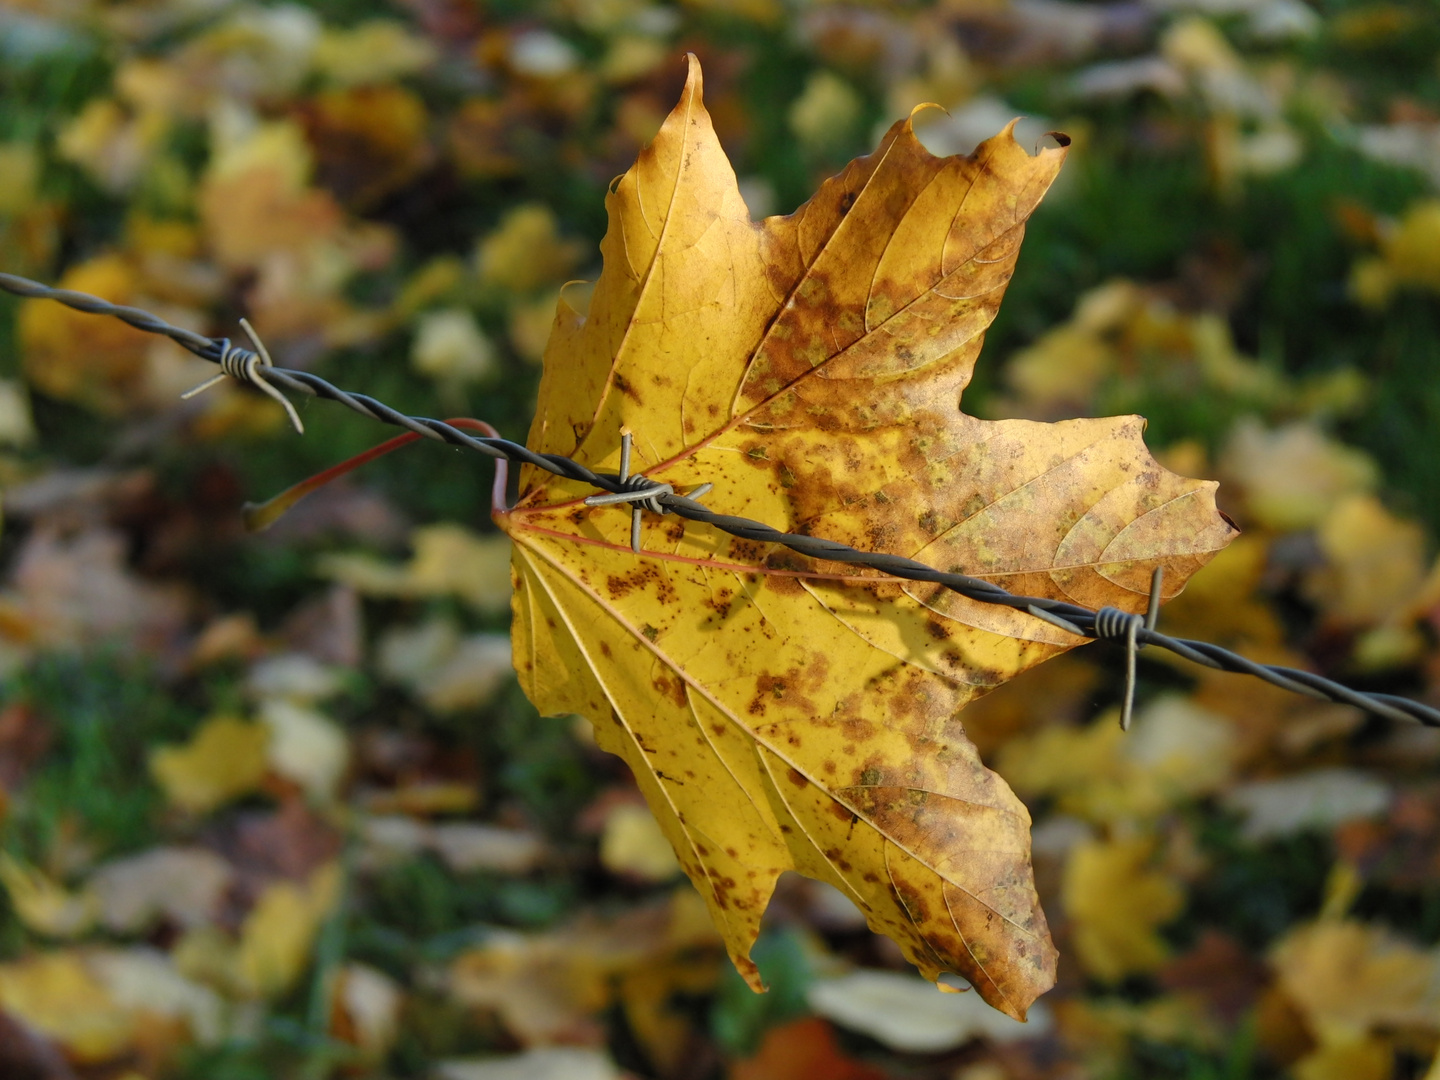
(1108, 623)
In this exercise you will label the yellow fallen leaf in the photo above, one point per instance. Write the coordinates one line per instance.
(19, 176)
(57, 994)
(1409, 257)
(1374, 562)
(781, 713)
(113, 146)
(1290, 477)
(1348, 979)
(826, 112)
(255, 200)
(449, 560)
(225, 759)
(98, 363)
(276, 938)
(366, 1008)
(16, 426)
(43, 904)
(632, 843)
(375, 51)
(525, 251)
(100, 1004)
(1366, 1058)
(451, 347)
(1116, 904)
(370, 141)
(548, 987)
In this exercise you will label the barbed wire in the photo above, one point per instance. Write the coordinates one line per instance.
(1108, 624)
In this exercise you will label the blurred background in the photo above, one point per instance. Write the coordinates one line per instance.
(273, 806)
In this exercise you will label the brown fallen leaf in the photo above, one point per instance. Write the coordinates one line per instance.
(780, 713)
(801, 1049)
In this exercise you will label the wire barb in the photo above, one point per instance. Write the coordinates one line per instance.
(244, 365)
(1112, 624)
(640, 492)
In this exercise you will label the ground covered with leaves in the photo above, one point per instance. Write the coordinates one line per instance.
(274, 805)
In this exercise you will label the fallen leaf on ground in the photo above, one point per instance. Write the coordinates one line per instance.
(98, 1004)
(1348, 978)
(781, 713)
(275, 942)
(1291, 477)
(800, 1050)
(548, 987)
(1320, 799)
(447, 671)
(526, 251)
(542, 1063)
(43, 904)
(466, 846)
(184, 884)
(365, 1008)
(1116, 903)
(1374, 562)
(75, 589)
(632, 843)
(1366, 1058)
(226, 758)
(448, 560)
(305, 746)
(912, 1016)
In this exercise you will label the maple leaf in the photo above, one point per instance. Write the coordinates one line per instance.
(780, 713)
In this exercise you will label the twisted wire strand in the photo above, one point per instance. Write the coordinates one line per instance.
(1106, 624)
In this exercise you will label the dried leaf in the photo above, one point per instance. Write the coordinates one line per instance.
(548, 987)
(1375, 562)
(779, 713)
(76, 357)
(1349, 978)
(76, 589)
(1320, 799)
(449, 560)
(909, 1015)
(375, 51)
(800, 1050)
(1116, 903)
(1292, 476)
(366, 1007)
(275, 942)
(542, 1063)
(633, 844)
(185, 885)
(525, 252)
(225, 759)
(43, 904)
(450, 347)
(100, 1003)
(305, 746)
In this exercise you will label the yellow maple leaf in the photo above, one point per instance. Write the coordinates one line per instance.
(781, 713)
(1116, 904)
(1348, 978)
(99, 363)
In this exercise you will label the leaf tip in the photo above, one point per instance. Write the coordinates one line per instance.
(694, 77)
